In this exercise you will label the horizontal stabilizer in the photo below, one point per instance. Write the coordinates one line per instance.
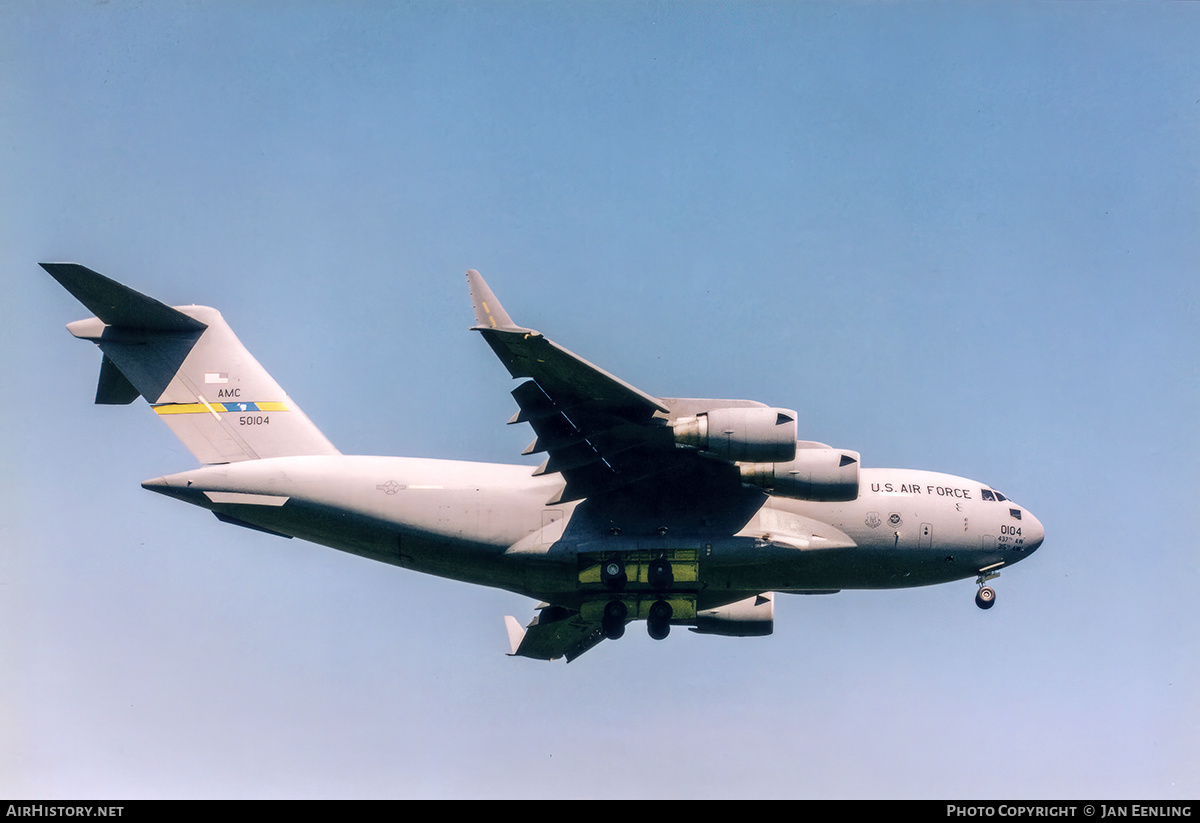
(117, 304)
(555, 632)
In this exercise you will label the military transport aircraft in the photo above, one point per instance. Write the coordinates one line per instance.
(676, 511)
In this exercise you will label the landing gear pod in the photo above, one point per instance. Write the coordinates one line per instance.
(752, 617)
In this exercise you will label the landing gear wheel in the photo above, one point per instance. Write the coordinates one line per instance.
(658, 624)
(986, 598)
(659, 575)
(613, 622)
(612, 574)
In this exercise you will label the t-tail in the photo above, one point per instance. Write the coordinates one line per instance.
(191, 368)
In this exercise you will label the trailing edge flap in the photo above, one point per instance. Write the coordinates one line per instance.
(191, 368)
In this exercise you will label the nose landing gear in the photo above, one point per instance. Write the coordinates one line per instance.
(985, 598)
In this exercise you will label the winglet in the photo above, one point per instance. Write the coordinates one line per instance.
(516, 633)
(489, 314)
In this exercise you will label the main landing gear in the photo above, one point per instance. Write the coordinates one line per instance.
(658, 620)
(659, 575)
(985, 598)
(632, 583)
(613, 622)
(612, 574)
(658, 624)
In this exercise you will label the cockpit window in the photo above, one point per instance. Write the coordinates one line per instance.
(987, 495)
(1015, 513)
(1000, 497)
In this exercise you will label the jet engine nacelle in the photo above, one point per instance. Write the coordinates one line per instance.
(821, 474)
(752, 617)
(755, 434)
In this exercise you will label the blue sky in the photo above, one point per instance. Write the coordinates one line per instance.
(957, 237)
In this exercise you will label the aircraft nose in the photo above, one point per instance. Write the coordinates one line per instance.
(1034, 532)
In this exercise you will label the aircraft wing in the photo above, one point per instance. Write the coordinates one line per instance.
(611, 440)
(597, 430)
(604, 435)
(555, 632)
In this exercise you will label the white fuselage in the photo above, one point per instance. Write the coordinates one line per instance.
(490, 524)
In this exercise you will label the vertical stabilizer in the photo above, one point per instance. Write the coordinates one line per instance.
(191, 368)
